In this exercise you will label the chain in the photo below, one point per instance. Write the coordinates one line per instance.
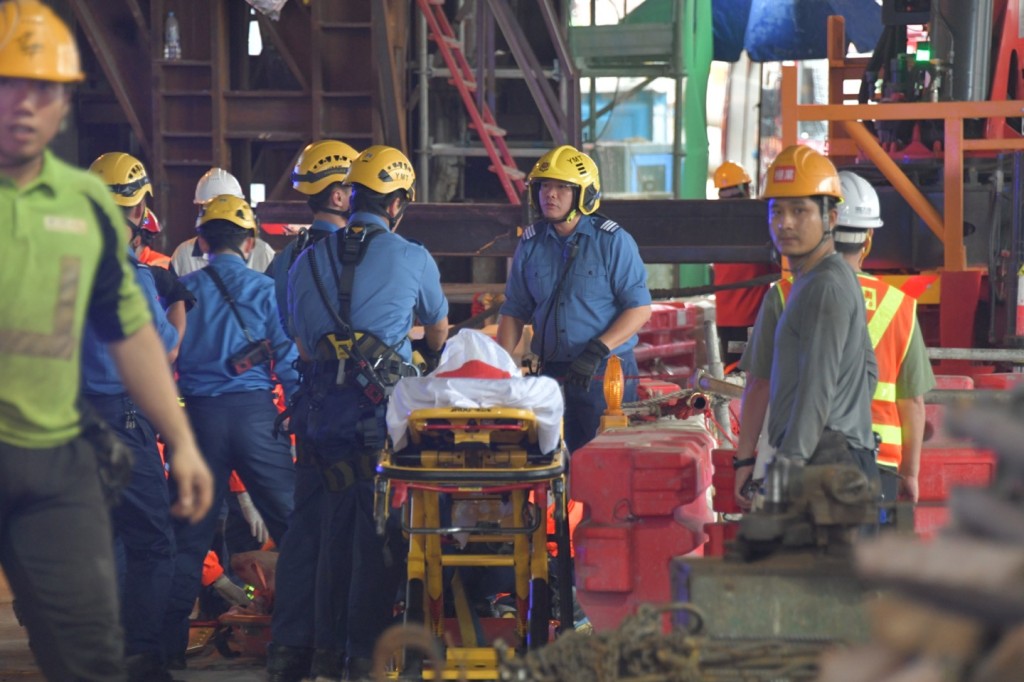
(643, 405)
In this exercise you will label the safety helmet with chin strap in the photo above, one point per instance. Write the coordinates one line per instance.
(125, 177)
(799, 171)
(230, 208)
(860, 209)
(383, 170)
(571, 166)
(322, 163)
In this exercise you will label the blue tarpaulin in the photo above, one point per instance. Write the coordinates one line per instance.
(774, 30)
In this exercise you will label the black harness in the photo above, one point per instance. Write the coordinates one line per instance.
(351, 357)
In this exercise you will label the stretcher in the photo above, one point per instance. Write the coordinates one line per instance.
(490, 458)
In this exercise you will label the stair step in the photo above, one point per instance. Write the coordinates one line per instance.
(512, 173)
(470, 85)
(493, 130)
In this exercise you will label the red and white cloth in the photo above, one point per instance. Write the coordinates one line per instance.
(476, 372)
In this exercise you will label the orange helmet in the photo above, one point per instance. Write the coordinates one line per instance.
(799, 171)
(731, 174)
(36, 44)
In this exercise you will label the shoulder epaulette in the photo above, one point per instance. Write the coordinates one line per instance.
(530, 232)
(609, 226)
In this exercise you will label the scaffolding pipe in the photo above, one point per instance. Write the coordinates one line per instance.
(423, 174)
(1015, 355)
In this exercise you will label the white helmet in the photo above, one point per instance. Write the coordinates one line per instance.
(214, 183)
(860, 209)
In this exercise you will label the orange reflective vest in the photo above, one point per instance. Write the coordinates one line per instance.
(148, 256)
(891, 316)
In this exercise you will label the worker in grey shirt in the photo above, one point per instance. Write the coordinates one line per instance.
(821, 373)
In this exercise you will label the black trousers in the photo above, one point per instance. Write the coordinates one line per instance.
(56, 549)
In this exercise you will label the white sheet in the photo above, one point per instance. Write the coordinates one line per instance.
(456, 383)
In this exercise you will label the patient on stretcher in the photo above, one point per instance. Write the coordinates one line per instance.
(475, 372)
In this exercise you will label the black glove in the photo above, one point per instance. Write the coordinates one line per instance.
(581, 371)
(431, 358)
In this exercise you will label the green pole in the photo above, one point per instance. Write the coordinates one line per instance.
(698, 49)
(695, 36)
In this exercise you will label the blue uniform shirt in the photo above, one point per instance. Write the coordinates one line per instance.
(99, 373)
(213, 333)
(279, 267)
(605, 278)
(396, 279)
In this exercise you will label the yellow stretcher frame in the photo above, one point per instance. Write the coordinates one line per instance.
(477, 454)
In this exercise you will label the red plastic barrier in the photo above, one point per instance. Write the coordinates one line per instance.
(718, 534)
(935, 434)
(641, 472)
(930, 519)
(648, 388)
(644, 490)
(945, 468)
(1003, 381)
(621, 566)
(724, 501)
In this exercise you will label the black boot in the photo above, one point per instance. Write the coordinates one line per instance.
(328, 663)
(147, 668)
(359, 669)
(288, 663)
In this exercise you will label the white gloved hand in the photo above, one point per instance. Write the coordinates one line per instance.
(257, 526)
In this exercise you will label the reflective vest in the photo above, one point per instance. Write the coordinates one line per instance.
(154, 258)
(891, 316)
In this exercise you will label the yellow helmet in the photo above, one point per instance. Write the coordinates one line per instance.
(36, 44)
(570, 165)
(320, 164)
(124, 176)
(731, 174)
(799, 171)
(383, 169)
(230, 208)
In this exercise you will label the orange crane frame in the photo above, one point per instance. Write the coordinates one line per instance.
(847, 135)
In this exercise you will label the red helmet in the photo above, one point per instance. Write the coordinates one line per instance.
(150, 223)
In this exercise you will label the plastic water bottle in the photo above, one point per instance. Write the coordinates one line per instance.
(172, 37)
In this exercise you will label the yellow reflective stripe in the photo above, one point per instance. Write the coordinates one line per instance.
(891, 435)
(883, 317)
(885, 392)
(61, 342)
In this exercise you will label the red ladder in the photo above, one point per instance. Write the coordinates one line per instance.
(482, 119)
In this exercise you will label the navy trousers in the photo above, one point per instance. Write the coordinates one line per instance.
(583, 409)
(359, 570)
(294, 622)
(143, 536)
(235, 431)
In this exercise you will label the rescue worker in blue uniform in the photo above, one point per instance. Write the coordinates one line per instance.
(291, 656)
(319, 174)
(143, 538)
(578, 279)
(365, 283)
(233, 350)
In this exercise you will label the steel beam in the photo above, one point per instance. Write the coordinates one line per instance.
(667, 231)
